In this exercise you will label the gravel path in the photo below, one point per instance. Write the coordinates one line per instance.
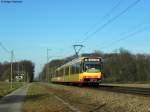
(13, 101)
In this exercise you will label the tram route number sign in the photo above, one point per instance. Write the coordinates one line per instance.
(92, 59)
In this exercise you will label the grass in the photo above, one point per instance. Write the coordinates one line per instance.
(5, 87)
(39, 99)
(130, 85)
(77, 97)
(90, 100)
(82, 102)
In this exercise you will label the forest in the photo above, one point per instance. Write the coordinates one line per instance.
(119, 67)
(24, 69)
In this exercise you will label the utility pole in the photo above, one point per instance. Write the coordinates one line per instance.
(47, 67)
(18, 69)
(11, 71)
(11, 61)
(27, 80)
(23, 72)
(77, 49)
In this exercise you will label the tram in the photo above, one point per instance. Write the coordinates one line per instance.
(82, 70)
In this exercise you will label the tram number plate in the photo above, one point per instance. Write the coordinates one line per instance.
(93, 80)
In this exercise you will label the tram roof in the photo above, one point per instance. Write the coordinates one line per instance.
(76, 60)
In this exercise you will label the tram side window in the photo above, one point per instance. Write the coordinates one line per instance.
(77, 68)
(61, 72)
(67, 71)
(64, 72)
(73, 69)
(81, 67)
(56, 73)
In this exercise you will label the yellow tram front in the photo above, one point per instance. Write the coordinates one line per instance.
(92, 70)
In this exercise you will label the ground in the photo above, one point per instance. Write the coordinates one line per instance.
(5, 87)
(43, 97)
(13, 101)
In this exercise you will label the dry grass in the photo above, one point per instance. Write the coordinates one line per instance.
(88, 100)
(76, 97)
(131, 85)
(5, 88)
(40, 99)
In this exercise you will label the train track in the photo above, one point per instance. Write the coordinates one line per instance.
(127, 90)
(120, 89)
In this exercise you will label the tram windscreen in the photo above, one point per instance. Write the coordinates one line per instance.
(92, 66)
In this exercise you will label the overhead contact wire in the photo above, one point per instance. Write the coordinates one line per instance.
(4, 48)
(130, 35)
(105, 16)
(111, 20)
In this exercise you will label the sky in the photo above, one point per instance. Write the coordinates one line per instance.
(32, 26)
